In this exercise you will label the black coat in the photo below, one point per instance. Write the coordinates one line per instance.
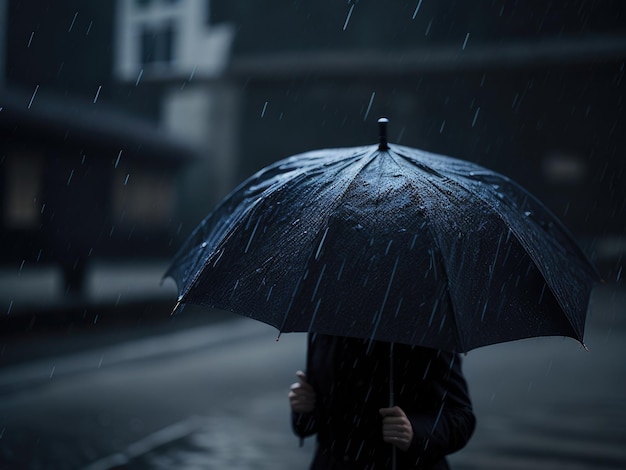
(351, 381)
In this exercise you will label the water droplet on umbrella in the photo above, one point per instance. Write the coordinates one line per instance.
(319, 280)
(343, 263)
(317, 306)
(252, 235)
(432, 313)
(319, 248)
(217, 260)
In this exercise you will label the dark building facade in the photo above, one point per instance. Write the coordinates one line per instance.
(78, 184)
(534, 90)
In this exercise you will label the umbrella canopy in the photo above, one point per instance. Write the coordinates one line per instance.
(389, 243)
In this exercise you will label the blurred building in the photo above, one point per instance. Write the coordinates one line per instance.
(177, 50)
(533, 90)
(80, 180)
(78, 184)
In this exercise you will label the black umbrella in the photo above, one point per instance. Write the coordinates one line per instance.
(389, 243)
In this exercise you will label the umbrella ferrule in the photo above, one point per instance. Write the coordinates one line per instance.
(382, 127)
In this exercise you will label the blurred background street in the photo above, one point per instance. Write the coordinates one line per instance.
(123, 123)
(209, 390)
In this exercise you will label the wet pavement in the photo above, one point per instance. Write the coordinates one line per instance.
(213, 396)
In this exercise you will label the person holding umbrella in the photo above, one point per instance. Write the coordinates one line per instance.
(346, 396)
(395, 261)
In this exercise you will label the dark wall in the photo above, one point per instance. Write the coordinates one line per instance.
(61, 45)
(66, 47)
(510, 118)
(283, 25)
(509, 123)
(506, 118)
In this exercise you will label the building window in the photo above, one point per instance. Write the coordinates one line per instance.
(143, 199)
(564, 168)
(157, 44)
(23, 186)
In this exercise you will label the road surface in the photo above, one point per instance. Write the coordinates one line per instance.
(214, 397)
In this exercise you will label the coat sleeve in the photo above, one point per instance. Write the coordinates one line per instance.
(450, 424)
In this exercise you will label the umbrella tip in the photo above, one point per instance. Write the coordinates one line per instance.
(382, 127)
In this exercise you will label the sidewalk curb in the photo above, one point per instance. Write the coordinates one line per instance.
(43, 371)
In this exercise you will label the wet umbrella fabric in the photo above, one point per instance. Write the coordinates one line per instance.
(389, 243)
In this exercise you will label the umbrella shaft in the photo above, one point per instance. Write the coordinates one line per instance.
(391, 401)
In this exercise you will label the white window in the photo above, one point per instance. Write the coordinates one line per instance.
(161, 39)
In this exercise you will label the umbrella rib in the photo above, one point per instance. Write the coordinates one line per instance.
(268, 173)
(521, 239)
(362, 152)
(226, 209)
(457, 333)
(512, 229)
